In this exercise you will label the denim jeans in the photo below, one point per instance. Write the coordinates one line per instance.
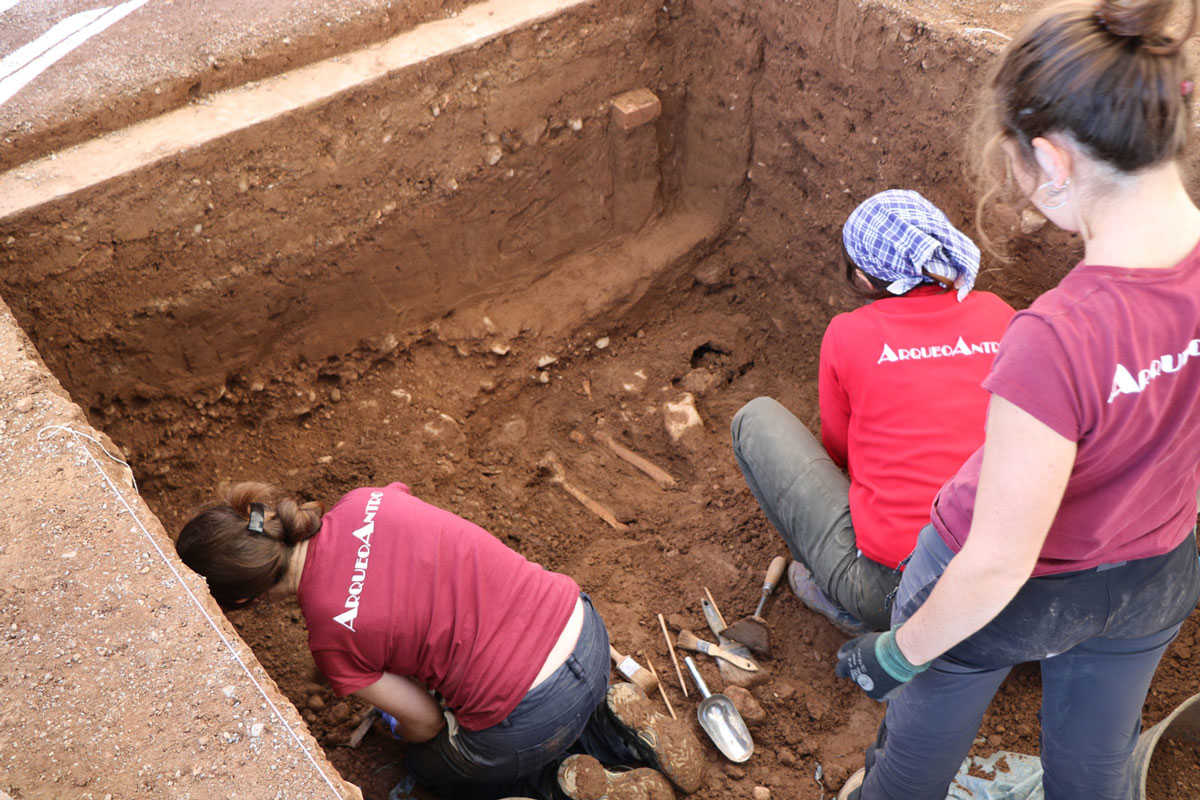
(497, 761)
(807, 498)
(1098, 635)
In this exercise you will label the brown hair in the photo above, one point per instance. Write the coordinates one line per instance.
(878, 289)
(1105, 73)
(239, 563)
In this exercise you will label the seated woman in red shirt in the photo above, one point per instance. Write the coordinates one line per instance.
(403, 599)
(901, 409)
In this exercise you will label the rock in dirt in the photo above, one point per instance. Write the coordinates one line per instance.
(817, 706)
(513, 432)
(445, 428)
(316, 702)
(735, 772)
(835, 776)
(699, 381)
(602, 343)
(1031, 221)
(786, 757)
(784, 689)
(682, 418)
(635, 383)
(761, 793)
(746, 704)
(713, 275)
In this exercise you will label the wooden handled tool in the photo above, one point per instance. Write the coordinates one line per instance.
(633, 670)
(731, 674)
(690, 641)
(661, 690)
(674, 658)
(752, 631)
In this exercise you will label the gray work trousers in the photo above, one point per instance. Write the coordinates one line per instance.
(807, 498)
(1098, 635)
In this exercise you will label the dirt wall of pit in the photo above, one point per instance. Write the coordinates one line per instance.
(120, 677)
(358, 222)
(850, 98)
(170, 54)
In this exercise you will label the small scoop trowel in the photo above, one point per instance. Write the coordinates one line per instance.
(730, 673)
(752, 631)
(721, 721)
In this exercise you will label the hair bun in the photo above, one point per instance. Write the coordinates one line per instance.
(1131, 18)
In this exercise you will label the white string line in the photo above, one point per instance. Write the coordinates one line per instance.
(195, 600)
(992, 31)
(98, 443)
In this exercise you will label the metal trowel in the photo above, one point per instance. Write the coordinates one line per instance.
(729, 673)
(721, 721)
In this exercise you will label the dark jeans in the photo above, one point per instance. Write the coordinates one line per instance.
(496, 761)
(1098, 635)
(807, 498)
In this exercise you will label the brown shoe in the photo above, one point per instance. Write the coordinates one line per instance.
(664, 743)
(584, 778)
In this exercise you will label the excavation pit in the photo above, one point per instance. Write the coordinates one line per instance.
(438, 257)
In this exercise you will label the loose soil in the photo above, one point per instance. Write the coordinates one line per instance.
(1174, 770)
(465, 428)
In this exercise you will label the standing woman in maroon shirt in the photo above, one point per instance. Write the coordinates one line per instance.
(1069, 539)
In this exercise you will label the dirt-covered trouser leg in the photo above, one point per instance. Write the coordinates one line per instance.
(1097, 660)
(806, 497)
(501, 760)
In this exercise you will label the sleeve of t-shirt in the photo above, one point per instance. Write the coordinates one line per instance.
(835, 403)
(344, 671)
(1032, 371)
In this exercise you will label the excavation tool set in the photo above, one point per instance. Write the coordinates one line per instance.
(733, 653)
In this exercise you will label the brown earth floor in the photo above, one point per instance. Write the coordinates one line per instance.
(735, 332)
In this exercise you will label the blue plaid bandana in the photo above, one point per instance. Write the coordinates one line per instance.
(898, 236)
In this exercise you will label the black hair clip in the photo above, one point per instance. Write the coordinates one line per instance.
(258, 513)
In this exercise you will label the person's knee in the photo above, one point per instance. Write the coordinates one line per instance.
(744, 419)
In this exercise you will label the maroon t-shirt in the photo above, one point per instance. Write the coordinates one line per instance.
(1109, 359)
(393, 584)
(901, 405)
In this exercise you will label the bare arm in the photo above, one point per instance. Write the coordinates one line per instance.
(1024, 474)
(418, 716)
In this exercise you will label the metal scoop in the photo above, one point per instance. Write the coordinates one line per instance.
(721, 720)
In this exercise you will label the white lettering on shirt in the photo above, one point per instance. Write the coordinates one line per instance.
(959, 348)
(359, 576)
(1124, 381)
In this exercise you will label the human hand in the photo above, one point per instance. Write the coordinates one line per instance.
(875, 663)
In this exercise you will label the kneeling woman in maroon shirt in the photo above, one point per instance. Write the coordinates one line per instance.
(402, 599)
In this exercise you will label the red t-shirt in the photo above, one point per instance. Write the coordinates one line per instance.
(393, 584)
(1109, 359)
(901, 405)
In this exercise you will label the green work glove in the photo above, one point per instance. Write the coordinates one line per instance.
(876, 664)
